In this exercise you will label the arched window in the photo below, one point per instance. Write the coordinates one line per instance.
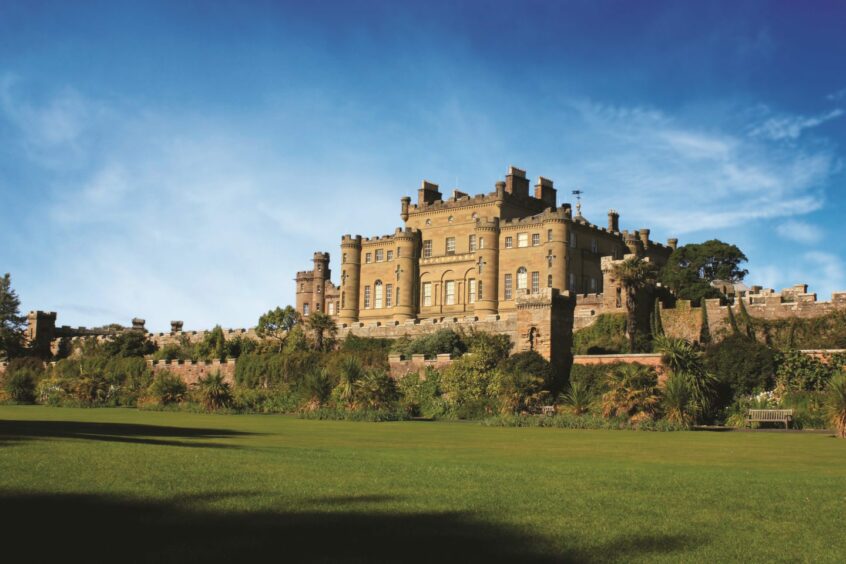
(522, 278)
(377, 294)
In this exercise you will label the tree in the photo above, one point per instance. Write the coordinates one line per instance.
(691, 269)
(321, 325)
(687, 363)
(634, 274)
(277, 323)
(11, 321)
(129, 343)
(632, 393)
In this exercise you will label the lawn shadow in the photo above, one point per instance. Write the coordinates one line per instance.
(77, 527)
(20, 430)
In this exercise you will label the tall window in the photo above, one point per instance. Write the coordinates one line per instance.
(450, 245)
(481, 242)
(427, 248)
(594, 246)
(398, 251)
(593, 285)
(549, 281)
(380, 255)
(305, 309)
(427, 293)
(471, 291)
(367, 297)
(398, 295)
(509, 242)
(378, 294)
(522, 239)
(535, 282)
(330, 308)
(389, 291)
(522, 278)
(344, 260)
(449, 292)
(368, 258)
(390, 255)
(479, 290)
(573, 242)
(549, 234)
(508, 286)
(472, 243)
(535, 239)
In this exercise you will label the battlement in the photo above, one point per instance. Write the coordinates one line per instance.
(348, 240)
(549, 214)
(399, 233)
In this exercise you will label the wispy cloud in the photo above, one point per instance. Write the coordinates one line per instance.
(791, 127)
(837, 96)
(824, 272)
(800, 231)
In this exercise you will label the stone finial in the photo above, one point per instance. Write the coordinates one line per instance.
(175, 326)
(138, 324)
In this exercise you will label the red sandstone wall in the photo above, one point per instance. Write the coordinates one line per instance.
(190, 371)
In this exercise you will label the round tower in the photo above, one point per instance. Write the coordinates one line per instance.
(405, 273)
(557, 249)
(487, 266)
(321, 275)
(350, 278)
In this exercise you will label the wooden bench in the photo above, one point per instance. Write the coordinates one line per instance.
(770, 416)
(548, 410)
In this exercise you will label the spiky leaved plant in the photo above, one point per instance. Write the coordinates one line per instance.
(578, 398)
(678, 399)
(632, 392)
(214, 391)
(836, 403)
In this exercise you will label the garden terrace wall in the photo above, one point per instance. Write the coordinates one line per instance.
(191, 371)
(646, 359)
(418, 363)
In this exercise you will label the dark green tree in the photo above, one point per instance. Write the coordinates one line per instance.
(635, 274)
(277, 323)
(11, 321)
(691, 269)
(321, 325)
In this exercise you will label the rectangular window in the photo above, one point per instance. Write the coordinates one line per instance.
(367, 297)
(522, 239)
(573, 240)
(389, 291)
(398, 251)
(549, 281)
(535, 239)
(427, 293)
(398, 294)
(390, 255)
(427, 248)
(344, 260)
(471, 291)
(472, 243)
(549, 234)
(368, 258)
(508, 286)
(509, 242)
(450, 245)
(449, 290)
(481, 242)
(330, 308)
(305, 309)
(593, 285)
(380, 255)
(594, 246)
(479, 290)
(535, 282)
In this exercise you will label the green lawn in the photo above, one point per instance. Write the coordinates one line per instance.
(120, 484)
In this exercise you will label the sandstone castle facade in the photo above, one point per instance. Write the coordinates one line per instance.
(470, 256)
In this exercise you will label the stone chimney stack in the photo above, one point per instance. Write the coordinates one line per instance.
(545, 192)
(613, 221)
(673, 243)
(644, 237)
(516, 182)
(428, 193)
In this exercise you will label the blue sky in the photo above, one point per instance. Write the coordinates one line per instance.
(182, 160)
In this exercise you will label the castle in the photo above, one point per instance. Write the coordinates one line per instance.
(470, 256)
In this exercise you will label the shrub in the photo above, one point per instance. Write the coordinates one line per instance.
(606, 336)
(167, 388)
(421, 396)
(685, 360)
(592, 376)
(632, 392)
(836, 404)
(799, 371)
(376, 391)
(129, 343)
(740, 365)
(264, 400)
(678, 399)
(578, 398)
(214, 392)
(518, 391)
(443, 341)
(569, 421)
(334, 414)
(315, 389)
(349, 373)
(20, 386)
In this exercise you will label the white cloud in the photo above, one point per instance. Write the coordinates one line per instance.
(837, 96)
(800, 231)
(823, 272)
(791, 127)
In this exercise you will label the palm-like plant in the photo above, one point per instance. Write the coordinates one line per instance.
(578, 398)
(350, 373)
(634, 274)
(377, 390)
(678, 399)
(321, 325)
(316, 387)
(683, 359)
(214, 391)
(836, 403)
(632, 392)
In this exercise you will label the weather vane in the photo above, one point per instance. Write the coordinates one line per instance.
(578, 195)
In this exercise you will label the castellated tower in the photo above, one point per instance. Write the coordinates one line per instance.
(350, 277)
(487, 265)
(312, 286)
(405, 273)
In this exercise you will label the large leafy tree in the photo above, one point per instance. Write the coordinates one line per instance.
(277, 323)
(11, 321)
(634, 274)
(321, 325)
(691, 269)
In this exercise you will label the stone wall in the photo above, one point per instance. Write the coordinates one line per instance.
(418, 363)
(191, 371)
(646, 359)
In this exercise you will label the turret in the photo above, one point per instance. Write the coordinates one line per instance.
(405, 273)
(321, 275)
(350, 278)
(673, 243)
(487, 266)
(613, 221)
(644, 238)
(404, 204)
(557, 249)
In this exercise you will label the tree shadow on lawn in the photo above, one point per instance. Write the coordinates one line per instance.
(74, 527)
(20, 430)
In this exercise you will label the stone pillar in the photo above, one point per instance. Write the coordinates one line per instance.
(487, 230)
(405, 275)
(350, 278)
